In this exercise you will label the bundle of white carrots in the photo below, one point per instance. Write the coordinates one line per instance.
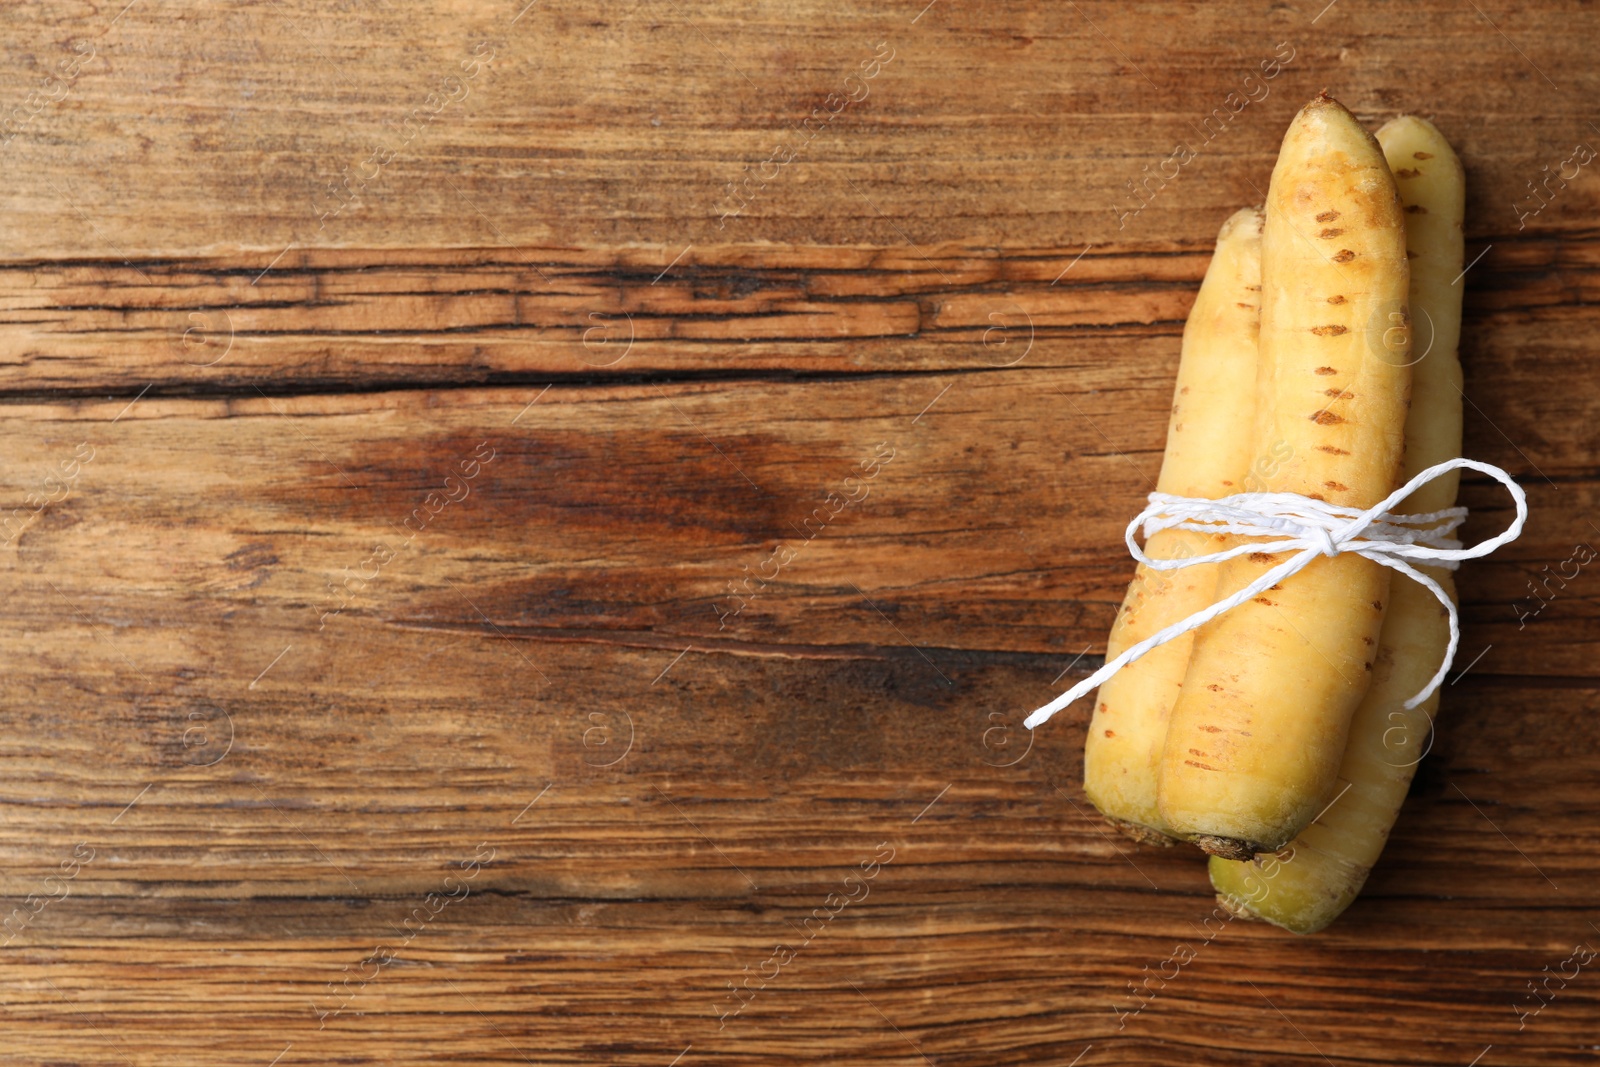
(1275, 736)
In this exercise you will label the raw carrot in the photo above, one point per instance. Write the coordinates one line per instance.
(1317, 876)
(1208, 455)
(1255, 739)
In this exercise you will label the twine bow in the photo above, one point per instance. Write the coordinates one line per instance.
(1309, 528)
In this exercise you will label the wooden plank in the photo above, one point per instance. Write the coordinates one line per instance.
(624, 126)
(1005, 927)
(975, 512)
(381, 318)
(342, 319)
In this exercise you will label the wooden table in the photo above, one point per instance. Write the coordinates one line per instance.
(430, 635)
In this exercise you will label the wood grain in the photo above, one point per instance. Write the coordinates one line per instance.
(353, 319)
(374, 689)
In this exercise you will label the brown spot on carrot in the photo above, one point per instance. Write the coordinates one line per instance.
(1209, 729)
(1333, 451)
(1327, 216)
(1416, 209)
(1264, 600)
(1101, 709)
(1368, 640)
(1329, 331)
(1260, 557)
(1408, 172)
(1335, 299)
(1178, 428)
(1227, 483)
(1110, 734)
(1368, 666)
(1331, 231)
(1344, 255)
(1253, 288)
(1202, 766)
(1247, 307)
(1326, 418)
(1185, 389)
(1196, 752)
(1336, 487)
(1214, 687)
(1315, 496)
(1275, 588)
(1422, 155)
(1378, 604)
(1342, 394)
(1327, 370)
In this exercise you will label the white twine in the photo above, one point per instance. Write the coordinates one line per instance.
(1309, 528)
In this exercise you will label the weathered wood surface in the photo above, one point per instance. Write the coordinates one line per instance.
(242, 783)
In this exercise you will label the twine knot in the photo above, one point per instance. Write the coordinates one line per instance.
(1289, 522)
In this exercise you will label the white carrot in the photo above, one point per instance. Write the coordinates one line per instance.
(1256, 736)
(1321, 871)
(1208, 454)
